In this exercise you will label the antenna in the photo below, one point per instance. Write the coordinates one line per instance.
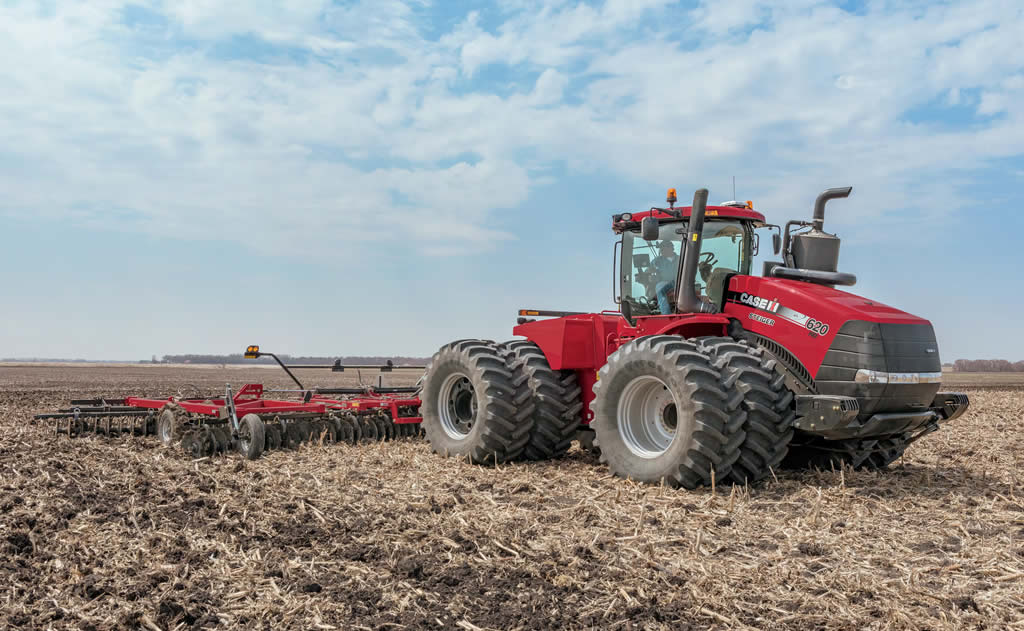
(734, 187)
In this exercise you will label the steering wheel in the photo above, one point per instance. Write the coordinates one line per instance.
(651, 304)
(706, 265)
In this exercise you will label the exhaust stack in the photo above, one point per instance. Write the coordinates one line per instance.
(686, 293)
(819, 204)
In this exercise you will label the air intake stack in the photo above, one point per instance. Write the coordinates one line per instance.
(816, 249)
(813, 256)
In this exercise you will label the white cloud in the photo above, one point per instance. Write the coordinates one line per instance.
(359, 110)
(549, 87)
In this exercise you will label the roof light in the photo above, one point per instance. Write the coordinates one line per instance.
(627, 216)
(671, 198)
(750, 204)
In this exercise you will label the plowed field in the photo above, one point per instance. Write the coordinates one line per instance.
(100, 533)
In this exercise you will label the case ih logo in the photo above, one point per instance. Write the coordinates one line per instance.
(760, 303)
(816, 327)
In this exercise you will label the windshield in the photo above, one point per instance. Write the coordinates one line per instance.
(649, 267)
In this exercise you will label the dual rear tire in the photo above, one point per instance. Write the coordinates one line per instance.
(476, 403)
(493, 403)
(556, 398)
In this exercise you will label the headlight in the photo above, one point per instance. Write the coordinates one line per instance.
(875, 376)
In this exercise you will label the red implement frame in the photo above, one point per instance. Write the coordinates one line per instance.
(370, 402)
(249, 400)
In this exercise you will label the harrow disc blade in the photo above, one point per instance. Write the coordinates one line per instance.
(370, 431)
(384, 428)
(222, 438)
(272, 436)
(333, 428)
(346, 433)
(292, 435)
(357, 429)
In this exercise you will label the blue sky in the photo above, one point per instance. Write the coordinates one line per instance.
(381, 177)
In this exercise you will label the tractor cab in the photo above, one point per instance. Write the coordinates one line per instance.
(654, 243)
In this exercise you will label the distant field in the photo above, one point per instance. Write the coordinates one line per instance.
(993, 379)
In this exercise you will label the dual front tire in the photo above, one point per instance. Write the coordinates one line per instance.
(664, 413)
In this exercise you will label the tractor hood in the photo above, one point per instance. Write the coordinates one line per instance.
(815, 322)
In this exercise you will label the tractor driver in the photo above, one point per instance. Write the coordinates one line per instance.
(665, 266)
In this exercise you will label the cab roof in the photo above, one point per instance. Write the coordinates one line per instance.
(620, 223)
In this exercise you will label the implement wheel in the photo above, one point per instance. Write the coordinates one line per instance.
(251, 436)
(664, 412)
(168, 427)
(476, 404)
(556, 402)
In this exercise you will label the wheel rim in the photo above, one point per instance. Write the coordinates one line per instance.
(648, 417)
(244, 438)
(165, 430)
(456, 405)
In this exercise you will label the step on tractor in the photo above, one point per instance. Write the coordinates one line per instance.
(707, 372)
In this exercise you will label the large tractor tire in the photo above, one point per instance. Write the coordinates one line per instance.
(664, 413)
(475, 403)
(556, 402)
(766, 400)
(872, 454)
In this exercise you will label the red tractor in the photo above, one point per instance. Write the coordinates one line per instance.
(706, 372)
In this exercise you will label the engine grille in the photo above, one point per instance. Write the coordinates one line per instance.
(883, 347)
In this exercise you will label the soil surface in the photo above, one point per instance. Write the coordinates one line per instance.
(99, 533)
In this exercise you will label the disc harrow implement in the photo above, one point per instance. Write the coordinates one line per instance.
(248, 421)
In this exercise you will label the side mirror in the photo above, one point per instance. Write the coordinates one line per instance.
(649, 229)
(641, 260)
(776, 243)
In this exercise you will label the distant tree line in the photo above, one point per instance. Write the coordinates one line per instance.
(987, 365)
(288, 359)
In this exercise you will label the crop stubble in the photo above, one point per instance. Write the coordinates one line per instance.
(98, 533)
